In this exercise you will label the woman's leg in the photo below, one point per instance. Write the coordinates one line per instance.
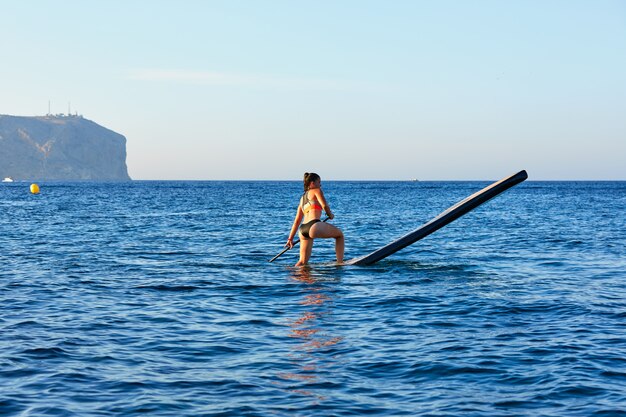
(306, 247)
(323, 231)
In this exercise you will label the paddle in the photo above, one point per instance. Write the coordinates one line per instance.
(294, 244)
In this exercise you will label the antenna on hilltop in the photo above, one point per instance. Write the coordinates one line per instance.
(69, 108)
(48, 108)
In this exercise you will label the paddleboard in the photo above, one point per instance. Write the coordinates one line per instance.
(443, 219)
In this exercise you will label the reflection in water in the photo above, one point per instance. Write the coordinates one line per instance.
(311, 357)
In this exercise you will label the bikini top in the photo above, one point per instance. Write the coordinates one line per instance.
(312, 204)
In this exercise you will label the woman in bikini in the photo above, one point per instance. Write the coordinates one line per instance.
(309, 212)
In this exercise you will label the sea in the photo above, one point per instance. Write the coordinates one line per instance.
(157, 298)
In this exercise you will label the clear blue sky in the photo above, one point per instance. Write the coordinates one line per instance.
(357, 89)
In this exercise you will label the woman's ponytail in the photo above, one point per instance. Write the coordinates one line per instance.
(309, 177)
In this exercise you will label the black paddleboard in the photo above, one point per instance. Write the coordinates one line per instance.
(447, 217)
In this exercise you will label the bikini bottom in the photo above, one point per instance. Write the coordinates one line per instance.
(304, 229)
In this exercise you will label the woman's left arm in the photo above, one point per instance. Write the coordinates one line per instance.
(294, 227)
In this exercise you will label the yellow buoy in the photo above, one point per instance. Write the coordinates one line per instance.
(34, 188)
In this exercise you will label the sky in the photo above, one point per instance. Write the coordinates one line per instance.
(350, 89)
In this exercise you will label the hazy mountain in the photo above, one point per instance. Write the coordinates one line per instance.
(60, 148)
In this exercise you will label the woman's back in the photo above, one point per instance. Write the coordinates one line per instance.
(310, 205)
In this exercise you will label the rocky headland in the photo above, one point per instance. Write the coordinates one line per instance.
(60, 147)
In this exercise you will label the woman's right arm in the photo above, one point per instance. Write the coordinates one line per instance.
(320, 197)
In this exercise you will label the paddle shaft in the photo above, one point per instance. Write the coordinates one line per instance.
(294, 244)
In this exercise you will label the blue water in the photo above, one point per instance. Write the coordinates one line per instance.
(156, 298)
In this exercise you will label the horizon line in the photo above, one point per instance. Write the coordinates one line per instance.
(298, 181)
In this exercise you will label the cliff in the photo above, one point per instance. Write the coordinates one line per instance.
(60, 148)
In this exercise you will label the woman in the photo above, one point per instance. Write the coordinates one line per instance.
(309, 212)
